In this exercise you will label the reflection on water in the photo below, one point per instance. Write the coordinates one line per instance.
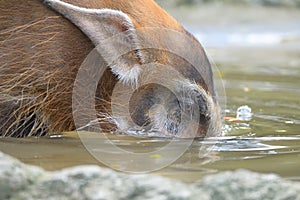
(263, 73)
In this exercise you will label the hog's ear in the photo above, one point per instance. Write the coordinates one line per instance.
(100, 25)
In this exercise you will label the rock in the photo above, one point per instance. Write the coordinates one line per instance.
(20, 181)
(243, 184)
(92, 182)
(15, 176)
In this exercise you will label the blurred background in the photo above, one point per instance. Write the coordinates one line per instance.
(231, 23)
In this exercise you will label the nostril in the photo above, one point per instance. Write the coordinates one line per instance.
(202, 106)
(173, 120)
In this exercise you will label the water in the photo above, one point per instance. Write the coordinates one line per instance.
(260, 67)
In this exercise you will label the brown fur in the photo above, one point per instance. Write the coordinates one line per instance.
(40, 53)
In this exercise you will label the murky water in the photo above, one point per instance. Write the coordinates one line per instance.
(261, 69)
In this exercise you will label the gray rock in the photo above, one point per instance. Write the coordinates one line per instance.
(92, 182)
(15, 176)
(20, 181)
(243, 184)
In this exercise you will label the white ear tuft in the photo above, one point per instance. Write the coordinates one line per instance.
(128, 75)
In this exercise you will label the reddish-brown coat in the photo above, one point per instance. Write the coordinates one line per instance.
(40, 53)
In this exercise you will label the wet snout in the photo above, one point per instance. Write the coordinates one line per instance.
(184, 112)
